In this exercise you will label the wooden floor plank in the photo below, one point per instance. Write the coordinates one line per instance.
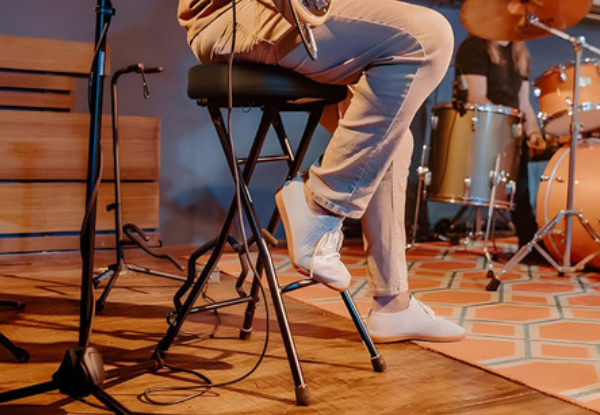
(336, 364)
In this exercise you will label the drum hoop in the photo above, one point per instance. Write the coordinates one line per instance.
(556, 68)
(585, 106)
(493, 108)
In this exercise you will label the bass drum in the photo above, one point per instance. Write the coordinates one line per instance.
(552, 198)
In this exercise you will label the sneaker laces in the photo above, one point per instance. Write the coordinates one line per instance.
(329, 245)
(426, 308)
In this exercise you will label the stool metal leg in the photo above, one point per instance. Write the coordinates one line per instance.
(302, 391)
(294, 163)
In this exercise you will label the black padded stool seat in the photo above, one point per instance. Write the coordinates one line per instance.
(256, 83)
(273, 89)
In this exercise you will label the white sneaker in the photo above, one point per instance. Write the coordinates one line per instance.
(313, 241)
(416, 322)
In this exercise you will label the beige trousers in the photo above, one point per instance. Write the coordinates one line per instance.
(394, 54)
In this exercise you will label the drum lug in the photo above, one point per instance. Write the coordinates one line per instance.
(562, 74)
(544, 178)
(467, 183)
(511, 188)
(495, 178)
(537, 92)
(424, 174)
(517, 130)
(434, 122)
(511, 191)
(561, 179)
(542, 116)
(569, 103)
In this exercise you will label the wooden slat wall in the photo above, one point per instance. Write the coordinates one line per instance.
(47, 55)
(59, 207)
(53, 146)
(37, 100)
(43, 154)
(58, 83)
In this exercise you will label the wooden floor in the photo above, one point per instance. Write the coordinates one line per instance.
(335, 363)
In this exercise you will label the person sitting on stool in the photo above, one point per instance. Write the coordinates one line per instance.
(393, 54)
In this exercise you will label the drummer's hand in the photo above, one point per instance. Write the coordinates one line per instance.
(537, 144)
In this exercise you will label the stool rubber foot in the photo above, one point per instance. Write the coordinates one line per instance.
(245, 334)
(493, 284)
(100, 306)
(21, 355)
(302, 395)
(378, 363)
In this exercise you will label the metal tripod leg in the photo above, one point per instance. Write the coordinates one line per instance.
(488, 226)
(534, 243)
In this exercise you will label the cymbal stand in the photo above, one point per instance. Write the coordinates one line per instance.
(81, 372)
(579, 44)
(495, 181)
(135, 235)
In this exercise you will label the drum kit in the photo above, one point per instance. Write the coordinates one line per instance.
(475, 149)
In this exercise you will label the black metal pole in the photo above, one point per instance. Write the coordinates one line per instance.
(104, 12)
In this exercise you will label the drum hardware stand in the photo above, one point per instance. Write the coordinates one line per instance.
(424, 181)
(19, 353)
(495, 181)
(136, 236)
(424, 175)
(81, 372)
(579, 44)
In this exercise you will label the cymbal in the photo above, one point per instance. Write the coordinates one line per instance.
(507, 19)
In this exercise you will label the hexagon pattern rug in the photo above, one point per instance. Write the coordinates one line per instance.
(539, 328)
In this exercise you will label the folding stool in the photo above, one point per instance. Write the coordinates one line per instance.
(274, 90)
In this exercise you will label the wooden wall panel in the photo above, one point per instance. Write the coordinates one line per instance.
(54, 146)
(43, 154)
(47, 55)
(37, 100)
(60, 243)
(59, 207)
(37, 81)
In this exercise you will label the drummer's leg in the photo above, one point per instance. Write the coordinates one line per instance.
(522, 216)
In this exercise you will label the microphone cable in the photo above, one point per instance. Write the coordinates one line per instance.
(202, 390)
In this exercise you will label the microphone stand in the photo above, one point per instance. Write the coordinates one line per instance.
(579, 44)
(81, 372)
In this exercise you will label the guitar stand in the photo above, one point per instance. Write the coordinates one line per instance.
(135, 235)
(19, 353)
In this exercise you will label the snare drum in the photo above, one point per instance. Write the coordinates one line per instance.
(464, 148)
(552, 198)
(554, 90)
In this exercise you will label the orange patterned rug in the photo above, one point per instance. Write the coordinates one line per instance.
(539, 329)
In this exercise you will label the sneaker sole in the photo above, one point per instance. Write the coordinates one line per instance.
(290, 244)
(415, 337)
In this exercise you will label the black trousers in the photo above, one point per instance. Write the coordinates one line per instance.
(523, 217)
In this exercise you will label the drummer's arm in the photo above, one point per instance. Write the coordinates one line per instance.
(477, 86)
(535, 139)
